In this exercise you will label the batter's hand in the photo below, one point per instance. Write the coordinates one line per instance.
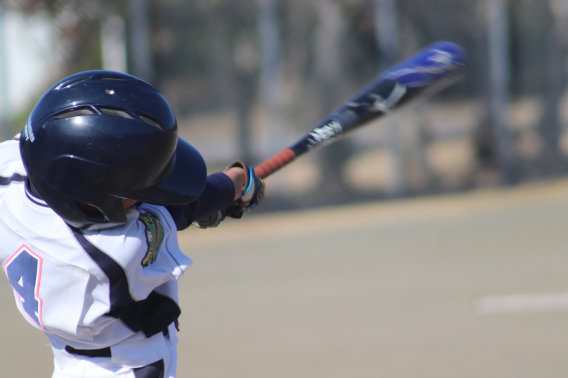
(211, 221)
(252, 194)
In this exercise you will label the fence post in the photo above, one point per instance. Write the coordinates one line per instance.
(270, 79)
(5, 114)
(386, 30)
(498, 34)
(140, 40)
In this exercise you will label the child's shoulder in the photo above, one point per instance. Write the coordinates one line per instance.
(10, 159)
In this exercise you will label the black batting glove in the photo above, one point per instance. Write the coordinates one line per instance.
(211, 221)
(252, 195)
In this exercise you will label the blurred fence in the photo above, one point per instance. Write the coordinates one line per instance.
(248, 78)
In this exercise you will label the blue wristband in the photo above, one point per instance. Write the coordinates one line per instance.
(251, 178)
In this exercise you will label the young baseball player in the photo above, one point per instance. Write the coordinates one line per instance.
(91, 197)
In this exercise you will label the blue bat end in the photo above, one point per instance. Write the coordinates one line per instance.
(437, 61)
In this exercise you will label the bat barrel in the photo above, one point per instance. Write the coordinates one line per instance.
(437, 61)
(422, 75)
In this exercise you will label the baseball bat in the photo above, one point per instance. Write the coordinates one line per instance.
(422, 75)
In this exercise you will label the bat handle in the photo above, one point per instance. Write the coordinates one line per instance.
(274, 163)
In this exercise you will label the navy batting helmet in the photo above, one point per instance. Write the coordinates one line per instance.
(99, 137)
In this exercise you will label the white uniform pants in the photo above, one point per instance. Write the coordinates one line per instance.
(103, 367)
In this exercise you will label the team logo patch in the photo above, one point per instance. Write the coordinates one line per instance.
(154, 237)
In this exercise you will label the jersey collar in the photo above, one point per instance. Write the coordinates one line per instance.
(33, 195)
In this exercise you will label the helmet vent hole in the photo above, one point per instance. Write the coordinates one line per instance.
(75, 113)
(112, 78)
(67, 84)
(115, 113)
(150, 122)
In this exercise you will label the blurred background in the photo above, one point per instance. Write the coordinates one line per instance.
(248, 78)
(447, 256)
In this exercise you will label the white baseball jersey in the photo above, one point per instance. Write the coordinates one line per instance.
(110, 290)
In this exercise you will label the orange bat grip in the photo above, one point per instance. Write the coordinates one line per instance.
(274, 163)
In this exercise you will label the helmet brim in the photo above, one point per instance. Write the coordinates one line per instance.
(184, 182)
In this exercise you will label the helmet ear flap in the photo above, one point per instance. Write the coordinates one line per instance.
(85, 214)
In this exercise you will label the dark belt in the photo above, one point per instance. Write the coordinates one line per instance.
(103, 352)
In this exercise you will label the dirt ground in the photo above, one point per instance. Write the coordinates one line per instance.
(376, 290)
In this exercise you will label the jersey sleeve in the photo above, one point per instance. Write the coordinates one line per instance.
(218, 194)
(141, 260)
(145, 250)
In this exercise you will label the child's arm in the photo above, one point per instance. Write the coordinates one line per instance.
(230, 193)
